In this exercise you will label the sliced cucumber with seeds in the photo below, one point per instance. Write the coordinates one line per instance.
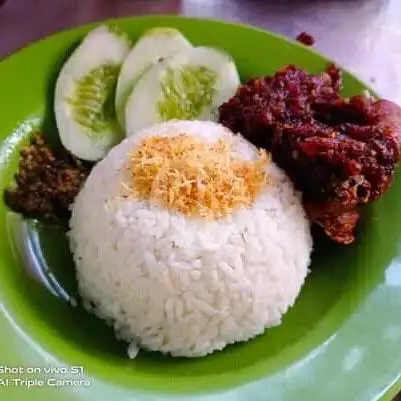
(189, 85)
(153, 46)
(85, 92)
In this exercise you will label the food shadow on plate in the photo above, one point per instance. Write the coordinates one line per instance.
(335, 270)
(51, 285)
(328, 282)
(46, 255)
(332, 271)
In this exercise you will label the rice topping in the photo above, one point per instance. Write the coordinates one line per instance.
(194, 177)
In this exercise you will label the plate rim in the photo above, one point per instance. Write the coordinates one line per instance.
(393, 387)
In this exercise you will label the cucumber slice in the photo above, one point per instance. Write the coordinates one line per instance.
(189, 85)
(154, 45)
(84, 95)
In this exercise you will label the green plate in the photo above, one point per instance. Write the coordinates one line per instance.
(341, 341)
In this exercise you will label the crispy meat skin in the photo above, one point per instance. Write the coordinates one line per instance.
(341, 153)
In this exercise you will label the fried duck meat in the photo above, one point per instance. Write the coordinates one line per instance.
(340, 152)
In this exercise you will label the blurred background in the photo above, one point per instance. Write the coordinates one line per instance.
(363, 36)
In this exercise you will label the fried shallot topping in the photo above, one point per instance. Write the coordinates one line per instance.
(195, 178)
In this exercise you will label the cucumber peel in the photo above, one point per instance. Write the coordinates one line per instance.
(85, 92)
(189, 85)
(153, 46)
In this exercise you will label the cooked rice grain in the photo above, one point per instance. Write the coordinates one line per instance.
(180, 285)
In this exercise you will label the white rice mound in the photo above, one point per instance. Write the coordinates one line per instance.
(187, 286)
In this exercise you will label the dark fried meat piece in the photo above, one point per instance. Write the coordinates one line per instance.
(264, 104)
(46, 183)
(306, 39)
(341, 153)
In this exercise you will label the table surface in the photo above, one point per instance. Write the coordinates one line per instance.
(362, 35)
